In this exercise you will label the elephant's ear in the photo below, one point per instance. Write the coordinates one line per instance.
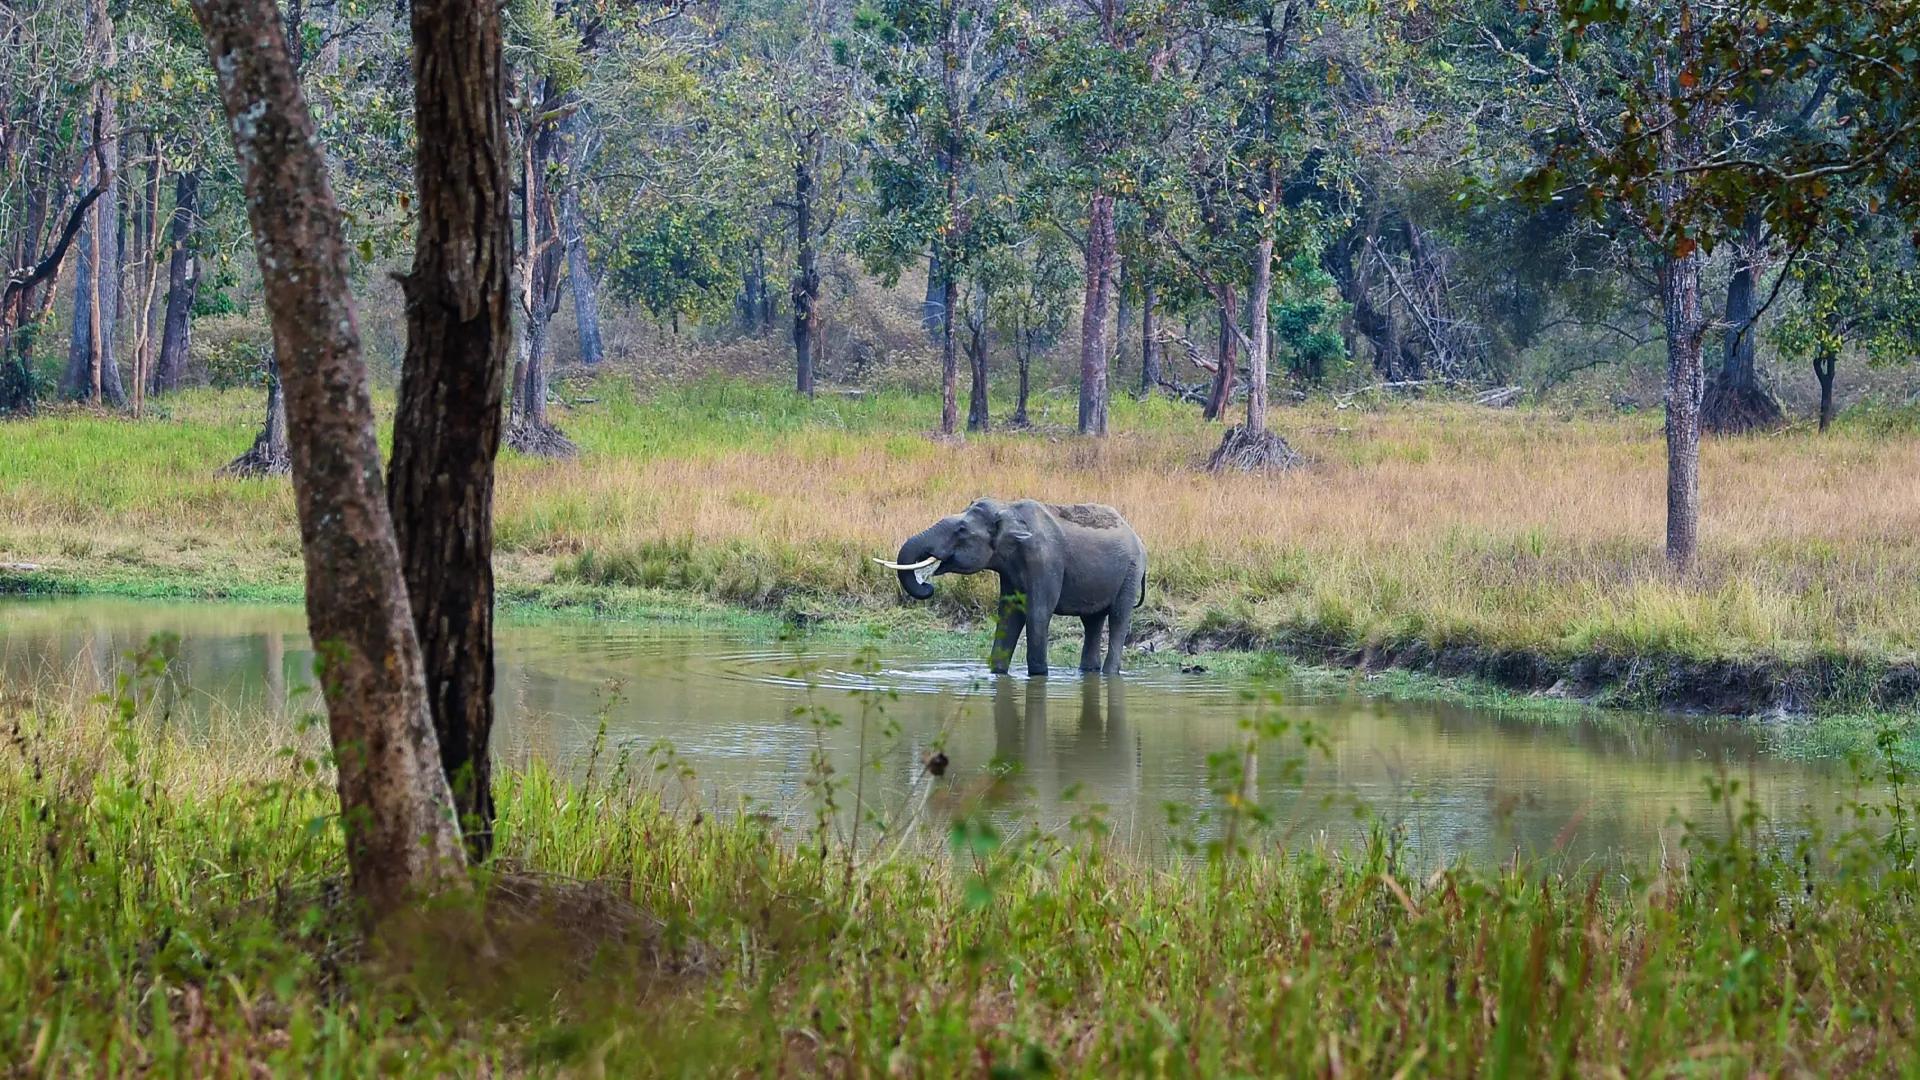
(1010, 532)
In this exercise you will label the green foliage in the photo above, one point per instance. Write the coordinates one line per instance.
(174, 907)
(678, 261)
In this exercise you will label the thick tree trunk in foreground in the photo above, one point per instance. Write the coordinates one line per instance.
(1686, 328)
(1823, 369)
(1093, 315)
(396, 809)
(446, 430)
(1736, 401)
(183, 284)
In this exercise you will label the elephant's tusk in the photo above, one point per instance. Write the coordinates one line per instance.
(928, 561)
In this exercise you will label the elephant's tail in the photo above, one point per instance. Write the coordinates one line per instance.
(1142, 598)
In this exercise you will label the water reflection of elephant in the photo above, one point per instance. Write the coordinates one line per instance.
(1096, 761)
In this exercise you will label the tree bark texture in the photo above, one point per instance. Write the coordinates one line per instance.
(806, 277)
(1150, 376)
(1686, 328)
(446, 430)
(977, 418)
(933, 309)
(269, 455)
(580, 281)
(1259, 340)
(1222, 393)
(1736, 401)
(183, 284)
(1093, 314)
(1823, 370)
(396, 809)
(93, 373)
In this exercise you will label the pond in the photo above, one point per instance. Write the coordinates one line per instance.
(743, 721)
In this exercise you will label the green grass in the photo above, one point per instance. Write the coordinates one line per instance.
(1435, 524)
(169, 909)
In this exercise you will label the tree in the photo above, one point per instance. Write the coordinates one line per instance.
(932, 63)
(1859, 290)
(396, 809)
(92, 370)
(446, 430)
(538, 265)
(1648, 91)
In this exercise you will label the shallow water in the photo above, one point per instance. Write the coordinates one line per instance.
(750, 718)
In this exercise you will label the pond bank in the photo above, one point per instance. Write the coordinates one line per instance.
(1817, 707)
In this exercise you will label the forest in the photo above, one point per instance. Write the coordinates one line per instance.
(445, 444)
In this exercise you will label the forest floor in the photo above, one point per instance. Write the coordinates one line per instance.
(1520, 546)
(174, 906)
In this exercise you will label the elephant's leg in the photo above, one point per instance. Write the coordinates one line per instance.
(1119, 625)
(1090, 652)
(1013, 619)
(1038, 618)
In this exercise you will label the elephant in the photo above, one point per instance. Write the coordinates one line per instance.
(1052, 560)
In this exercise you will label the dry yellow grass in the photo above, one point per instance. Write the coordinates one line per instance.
(1439, 522)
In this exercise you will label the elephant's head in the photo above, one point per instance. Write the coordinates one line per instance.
(978, 538)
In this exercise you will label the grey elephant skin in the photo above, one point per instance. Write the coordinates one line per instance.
(1052, 560)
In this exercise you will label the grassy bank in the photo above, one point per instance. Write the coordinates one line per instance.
(170, 908)
(1436, 535)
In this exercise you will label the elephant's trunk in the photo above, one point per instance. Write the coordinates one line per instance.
(916, 550)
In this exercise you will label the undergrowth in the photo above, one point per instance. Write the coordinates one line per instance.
(173, 904)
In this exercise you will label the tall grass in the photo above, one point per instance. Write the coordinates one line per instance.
(1436, 523)
(169, 908)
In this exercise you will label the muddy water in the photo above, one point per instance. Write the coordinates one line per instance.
(746, 721)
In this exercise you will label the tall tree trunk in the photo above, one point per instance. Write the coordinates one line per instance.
(1221, 395)
(933, 309)
(1259, 341)
(977, 418)
(1823, 369)
(580, 281)
(402, 837)
(949, 362)
(1122, 315)
(1149, 348)
(1736, 401)
(92, 370)
(183, 284)
(1686, 328)
(446, 430)
(1093, 315)
(806, 277)
(1023, 348)
(538, 265)
(147, 229)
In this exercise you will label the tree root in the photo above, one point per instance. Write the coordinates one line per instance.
(537, 438)
(1736, 410)
(261, 459)
(1249, 451)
